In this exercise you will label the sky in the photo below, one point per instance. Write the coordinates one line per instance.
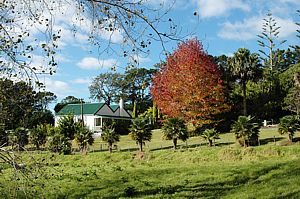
(222, 26)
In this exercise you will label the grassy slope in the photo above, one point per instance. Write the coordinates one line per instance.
(225, 171)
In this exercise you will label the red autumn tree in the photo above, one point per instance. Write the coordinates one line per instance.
(189, 85)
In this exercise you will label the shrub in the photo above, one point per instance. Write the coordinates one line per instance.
(68, 126)
(61, 137)
(57, 142)
(38, 135)
(3, 137)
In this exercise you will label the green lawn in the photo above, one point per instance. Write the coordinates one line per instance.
(267, 136)
(225, 171)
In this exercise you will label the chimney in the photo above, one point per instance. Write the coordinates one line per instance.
(121, 104)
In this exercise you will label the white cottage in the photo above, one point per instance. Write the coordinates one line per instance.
(94, 114)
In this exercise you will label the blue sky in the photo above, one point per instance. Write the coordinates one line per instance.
(223, 26)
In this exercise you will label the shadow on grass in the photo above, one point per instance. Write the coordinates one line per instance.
(294, 195)
(273, 140)
(114, 150)
(163, 148)
(296, 139)
(128, 184)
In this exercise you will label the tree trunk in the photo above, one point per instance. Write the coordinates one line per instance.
(141, 146)
(134, 110)
(290, 137)
(175, 143)
(84, 150)
(110, 147)
(209, 142)
(244, 99)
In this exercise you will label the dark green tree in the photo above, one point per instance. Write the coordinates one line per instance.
(21, 106)
(245, 67)
(65, 101)
(17, 100)
(42, 100)
(18, 138)
(106, 87)
(268, 40)
(290, 82)
(175, 129)
(135, 88)
(41, 117)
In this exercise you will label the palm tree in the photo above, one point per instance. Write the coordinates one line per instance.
(246, 131)
(210, 135)
(110, 136)
(140, 132)
(83, 137)
(244, 66)
(174, 129)
(288, 125)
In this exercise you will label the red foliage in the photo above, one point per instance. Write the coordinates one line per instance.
(189, 85)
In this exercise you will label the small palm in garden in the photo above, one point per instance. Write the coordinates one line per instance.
(140, 131)
(288, 125)
(210, 135)
(84, 137)
(110, 136)
(246, 131)
(175, 129)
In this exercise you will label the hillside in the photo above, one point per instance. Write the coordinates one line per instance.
(223, 171)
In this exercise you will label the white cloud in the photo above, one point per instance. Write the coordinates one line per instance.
(115, 36)
(288, 27)
(291, 1)
(242, 30)
(86, 80)
(250, 27)
(90, 63)
(214, 8)
(61, 58)
(60, 88)
(75, 28)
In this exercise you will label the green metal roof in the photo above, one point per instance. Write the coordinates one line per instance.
(75, 109)
(114, 107)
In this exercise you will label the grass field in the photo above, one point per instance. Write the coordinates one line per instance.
(193, 171)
